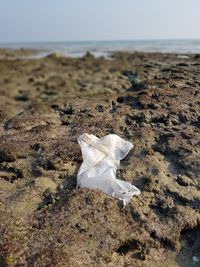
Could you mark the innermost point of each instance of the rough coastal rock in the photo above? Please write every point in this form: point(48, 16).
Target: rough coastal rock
point(151, 100)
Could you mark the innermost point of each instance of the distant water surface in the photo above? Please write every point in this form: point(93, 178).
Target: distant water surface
point(105, 48)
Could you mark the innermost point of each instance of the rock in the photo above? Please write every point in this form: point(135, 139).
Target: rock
point(150, 100)
point(55, 55)
point(185, 181)
point(88, 55)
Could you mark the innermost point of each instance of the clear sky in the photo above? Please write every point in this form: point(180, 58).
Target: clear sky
point(66, 20)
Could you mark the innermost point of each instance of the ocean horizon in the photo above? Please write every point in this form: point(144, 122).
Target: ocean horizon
point(105, 48)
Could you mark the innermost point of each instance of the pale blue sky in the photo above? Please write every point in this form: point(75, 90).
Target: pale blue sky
point(65, 20)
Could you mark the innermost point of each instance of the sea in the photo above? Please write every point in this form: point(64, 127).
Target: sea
point(105, 48)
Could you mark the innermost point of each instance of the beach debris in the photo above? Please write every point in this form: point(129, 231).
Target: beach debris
point(183, 57)
point(101, 158)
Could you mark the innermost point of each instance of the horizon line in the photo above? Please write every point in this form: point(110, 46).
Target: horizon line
point(102, 40)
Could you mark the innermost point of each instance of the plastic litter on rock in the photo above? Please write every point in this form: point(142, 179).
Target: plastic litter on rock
point(101, 158)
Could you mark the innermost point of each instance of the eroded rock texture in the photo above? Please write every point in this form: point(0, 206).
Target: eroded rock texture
point(151, 100)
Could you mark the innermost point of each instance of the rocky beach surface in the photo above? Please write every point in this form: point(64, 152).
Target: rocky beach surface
point(149, 99)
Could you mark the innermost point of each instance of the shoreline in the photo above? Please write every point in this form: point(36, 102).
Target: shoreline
point(34, 54)
point(106, 48)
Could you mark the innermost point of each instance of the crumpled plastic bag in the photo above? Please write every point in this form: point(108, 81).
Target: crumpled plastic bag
point(101, 157)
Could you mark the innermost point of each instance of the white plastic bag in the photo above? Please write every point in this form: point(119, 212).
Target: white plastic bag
point(101, 157)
